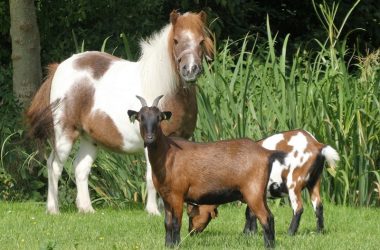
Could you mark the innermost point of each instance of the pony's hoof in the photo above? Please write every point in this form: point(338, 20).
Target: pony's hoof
point(87, 210)
point(153, 211)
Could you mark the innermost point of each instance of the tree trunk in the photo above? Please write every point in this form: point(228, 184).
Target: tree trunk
point(25, 50)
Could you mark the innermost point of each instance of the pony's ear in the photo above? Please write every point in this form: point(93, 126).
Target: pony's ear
point(174, 16)
point(133, 115)
point(166, 115)
point(203, 16)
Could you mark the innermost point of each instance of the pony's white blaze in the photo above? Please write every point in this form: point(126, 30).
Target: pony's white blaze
point(271, 142)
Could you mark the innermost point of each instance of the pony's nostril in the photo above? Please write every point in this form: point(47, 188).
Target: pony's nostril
point(194, 68)
point(185, 70)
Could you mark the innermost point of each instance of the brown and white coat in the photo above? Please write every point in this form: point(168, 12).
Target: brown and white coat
point(302, 169)
point(87, 97)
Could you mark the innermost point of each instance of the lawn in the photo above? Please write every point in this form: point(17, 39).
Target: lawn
point(26, 226)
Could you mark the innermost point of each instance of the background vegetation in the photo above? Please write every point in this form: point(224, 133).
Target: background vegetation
point(319, 74)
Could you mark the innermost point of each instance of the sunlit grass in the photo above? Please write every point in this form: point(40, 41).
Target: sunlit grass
point(26, 226)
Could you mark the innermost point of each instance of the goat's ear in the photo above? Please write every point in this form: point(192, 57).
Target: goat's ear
point(166, 115)
point(133, 115)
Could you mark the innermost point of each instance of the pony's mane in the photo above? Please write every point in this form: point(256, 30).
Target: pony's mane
point(157, 72)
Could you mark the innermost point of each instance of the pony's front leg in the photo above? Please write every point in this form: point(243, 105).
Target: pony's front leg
point(82, 165)
point(151, 204)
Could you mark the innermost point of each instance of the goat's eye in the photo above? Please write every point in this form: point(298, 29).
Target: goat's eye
point(175, 41)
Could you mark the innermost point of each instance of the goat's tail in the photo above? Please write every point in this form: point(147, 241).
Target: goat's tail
point(39, 116)
point(331, 155)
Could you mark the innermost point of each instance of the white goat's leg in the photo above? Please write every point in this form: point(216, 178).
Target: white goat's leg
point(151, 204)
point(82, 165)
point(55, 164)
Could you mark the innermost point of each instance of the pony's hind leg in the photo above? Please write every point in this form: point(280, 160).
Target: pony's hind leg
point(82, 165)
point(57, 159)
point(151, 205)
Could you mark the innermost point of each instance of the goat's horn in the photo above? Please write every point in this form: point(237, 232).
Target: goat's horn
point(155, 102)
point(142, 100)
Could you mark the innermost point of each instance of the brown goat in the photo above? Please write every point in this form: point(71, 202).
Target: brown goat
point(205, 173)
point(304, 165)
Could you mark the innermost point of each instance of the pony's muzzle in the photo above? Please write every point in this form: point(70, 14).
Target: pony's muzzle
point(190, 72)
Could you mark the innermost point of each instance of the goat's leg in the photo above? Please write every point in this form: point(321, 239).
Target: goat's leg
point(257, 203)
point(82, 165)
point(317, 204)
point(296, 202)
point(173, 221)
point(57, 159)
point(151, 204)
point(250, 222)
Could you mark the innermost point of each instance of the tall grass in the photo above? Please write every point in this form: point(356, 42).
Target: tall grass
point(259, 91)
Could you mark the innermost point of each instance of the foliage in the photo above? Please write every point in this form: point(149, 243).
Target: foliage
point(256, 93)
point(20, 170)
point(26, 226)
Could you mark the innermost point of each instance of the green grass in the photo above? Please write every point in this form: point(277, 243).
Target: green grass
point(26, 226)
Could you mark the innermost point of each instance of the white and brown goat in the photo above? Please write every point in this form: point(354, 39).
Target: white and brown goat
point(303, 168)
point(83, 98)
point(205, 173)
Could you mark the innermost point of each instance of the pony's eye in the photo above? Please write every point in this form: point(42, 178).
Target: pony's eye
point(175, 41)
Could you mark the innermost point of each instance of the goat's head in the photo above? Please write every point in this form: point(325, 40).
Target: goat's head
point(149, 119)
point(200, 216)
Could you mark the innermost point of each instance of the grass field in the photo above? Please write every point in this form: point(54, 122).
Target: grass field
point(26, 226)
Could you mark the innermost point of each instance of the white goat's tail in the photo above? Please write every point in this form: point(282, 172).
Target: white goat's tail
point(330, 155)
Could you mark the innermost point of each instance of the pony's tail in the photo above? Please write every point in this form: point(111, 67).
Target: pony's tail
point(39, 116)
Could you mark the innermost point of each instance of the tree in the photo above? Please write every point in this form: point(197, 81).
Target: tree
point(25, 39)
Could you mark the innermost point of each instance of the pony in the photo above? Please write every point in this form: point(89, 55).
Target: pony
point(85, 97)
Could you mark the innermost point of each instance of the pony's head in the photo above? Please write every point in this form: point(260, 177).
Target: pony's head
point(190, 42)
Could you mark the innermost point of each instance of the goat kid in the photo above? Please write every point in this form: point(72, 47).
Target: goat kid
point(304, 164)
point(205, 173)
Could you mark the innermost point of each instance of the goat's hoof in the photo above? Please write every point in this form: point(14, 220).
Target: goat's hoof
point(291, 233)
point(249, 232)
point(171, 244)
